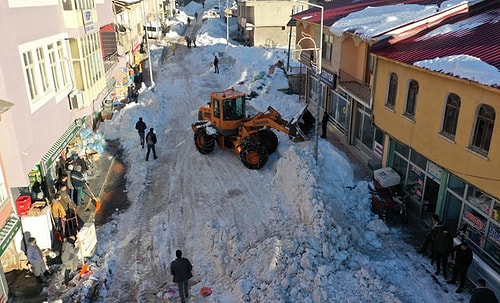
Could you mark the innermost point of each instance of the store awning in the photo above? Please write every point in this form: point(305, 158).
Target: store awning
point(7, 232)
point(5, 106)
point(51, 156)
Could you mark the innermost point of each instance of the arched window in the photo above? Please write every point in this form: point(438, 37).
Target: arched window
point(450, 119)
point(392, 91)
point(483, 129)
point(411, 99)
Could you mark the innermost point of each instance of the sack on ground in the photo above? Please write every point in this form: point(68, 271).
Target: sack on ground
point(171, 292)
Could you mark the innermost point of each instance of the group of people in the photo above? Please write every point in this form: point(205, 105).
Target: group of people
point(190, 41)
point(69, 259)
point(149, 139)
point(439, 241)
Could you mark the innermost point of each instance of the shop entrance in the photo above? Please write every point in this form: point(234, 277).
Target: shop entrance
point(430, 198)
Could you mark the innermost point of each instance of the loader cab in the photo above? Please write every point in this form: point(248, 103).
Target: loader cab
point(228, 110)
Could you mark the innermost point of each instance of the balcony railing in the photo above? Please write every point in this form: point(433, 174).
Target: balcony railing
point(355, 87)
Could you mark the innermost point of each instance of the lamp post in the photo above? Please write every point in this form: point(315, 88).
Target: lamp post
point(319, 56)
point(149, 53)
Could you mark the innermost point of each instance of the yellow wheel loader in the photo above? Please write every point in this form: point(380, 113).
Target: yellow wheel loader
point(224, 120)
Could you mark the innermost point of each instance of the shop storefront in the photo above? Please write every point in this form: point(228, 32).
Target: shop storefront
point(470, 213)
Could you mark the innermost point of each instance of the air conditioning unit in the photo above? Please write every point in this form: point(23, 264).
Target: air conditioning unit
point(75, 100)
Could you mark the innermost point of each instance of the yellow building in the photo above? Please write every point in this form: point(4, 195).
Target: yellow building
point(436, 96)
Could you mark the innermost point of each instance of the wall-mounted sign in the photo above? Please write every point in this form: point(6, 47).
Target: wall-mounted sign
point(88, 20)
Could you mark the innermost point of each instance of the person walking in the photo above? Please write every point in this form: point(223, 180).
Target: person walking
point(78, 181)
point(482, 294)
point(189, 21)
point(444, 245)
point(174, 48)
point(324, 124)
point(69, 258)
point(58, 212)
point(196, 16)
point(35, 258)
point(141, 129)
point(463, 259)
point(188, 41)
point(216, 65)
point(69, 184)
point(151, 141)
point(430, 236)
point(193, 40)
point(181, 269)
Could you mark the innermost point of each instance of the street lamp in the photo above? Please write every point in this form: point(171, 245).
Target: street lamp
point(318, 57)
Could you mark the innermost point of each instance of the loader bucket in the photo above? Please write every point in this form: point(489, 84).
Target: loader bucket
point(302, 125)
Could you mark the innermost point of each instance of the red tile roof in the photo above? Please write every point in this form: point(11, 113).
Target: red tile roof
point(337, 9)
point(478, 35)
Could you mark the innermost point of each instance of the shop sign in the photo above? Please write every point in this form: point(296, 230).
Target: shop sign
point(434, 171)
point(474, 221)
point(88, 20)
point(8, 232)
point(378, 148)
point(494, 235)
point(326, 77)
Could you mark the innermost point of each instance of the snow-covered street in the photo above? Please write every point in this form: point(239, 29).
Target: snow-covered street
point(293, 231)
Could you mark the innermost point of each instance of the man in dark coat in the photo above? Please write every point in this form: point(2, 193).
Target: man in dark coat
point(216, 65)
point(482, 294)
point(141, 129)
point(463, 259)
point(442, 249)
point(78, 181)
point(151, 141)
point(430, 237)
point(324, 124)
point(181, 269)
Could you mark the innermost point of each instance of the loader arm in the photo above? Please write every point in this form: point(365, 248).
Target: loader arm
point(271, 119)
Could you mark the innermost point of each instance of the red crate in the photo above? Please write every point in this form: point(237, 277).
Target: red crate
point(23, 204)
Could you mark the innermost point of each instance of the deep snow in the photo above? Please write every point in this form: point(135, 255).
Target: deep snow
point(293, 231)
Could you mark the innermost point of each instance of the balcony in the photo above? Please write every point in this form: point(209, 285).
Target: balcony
point(355, 87)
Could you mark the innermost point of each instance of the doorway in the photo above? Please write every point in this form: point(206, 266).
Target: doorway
point(430, 198)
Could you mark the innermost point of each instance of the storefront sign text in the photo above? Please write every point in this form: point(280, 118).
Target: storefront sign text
point(473, 220)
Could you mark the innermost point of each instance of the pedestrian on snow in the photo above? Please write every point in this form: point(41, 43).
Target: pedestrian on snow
point(141, 129)
point(78, 181)
point(134, 93)
point(444, 246)
point(181, 269)
point(216, 65)
point(463, 259)
point(188, 41)
point(151, 141)
point(203, 4)
point(324, 124)
point(482, 294)
point(69, 258)
point(174, 47)
point(196, 15)
point(58, 212)
point(189, 21)
point(36, 260)
point(430, 236)
point(193, 40)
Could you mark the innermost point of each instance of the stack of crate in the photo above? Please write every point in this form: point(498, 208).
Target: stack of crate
point(23, 205)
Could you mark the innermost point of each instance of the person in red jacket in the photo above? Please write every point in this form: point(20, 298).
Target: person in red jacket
point(181, 269)
point(463, 259)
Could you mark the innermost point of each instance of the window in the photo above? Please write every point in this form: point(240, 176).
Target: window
point(450, 119)
point(485, 122)
point(327, 47)
point(411, 99)
point(392, 91)
point(88, 63)
point(29, 68)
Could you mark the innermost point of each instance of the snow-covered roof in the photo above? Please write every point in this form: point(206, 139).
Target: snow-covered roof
point(465, 46)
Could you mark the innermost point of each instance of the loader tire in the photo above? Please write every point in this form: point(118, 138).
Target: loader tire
point(269, 139)
point(204, 143)
point(253, 154)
